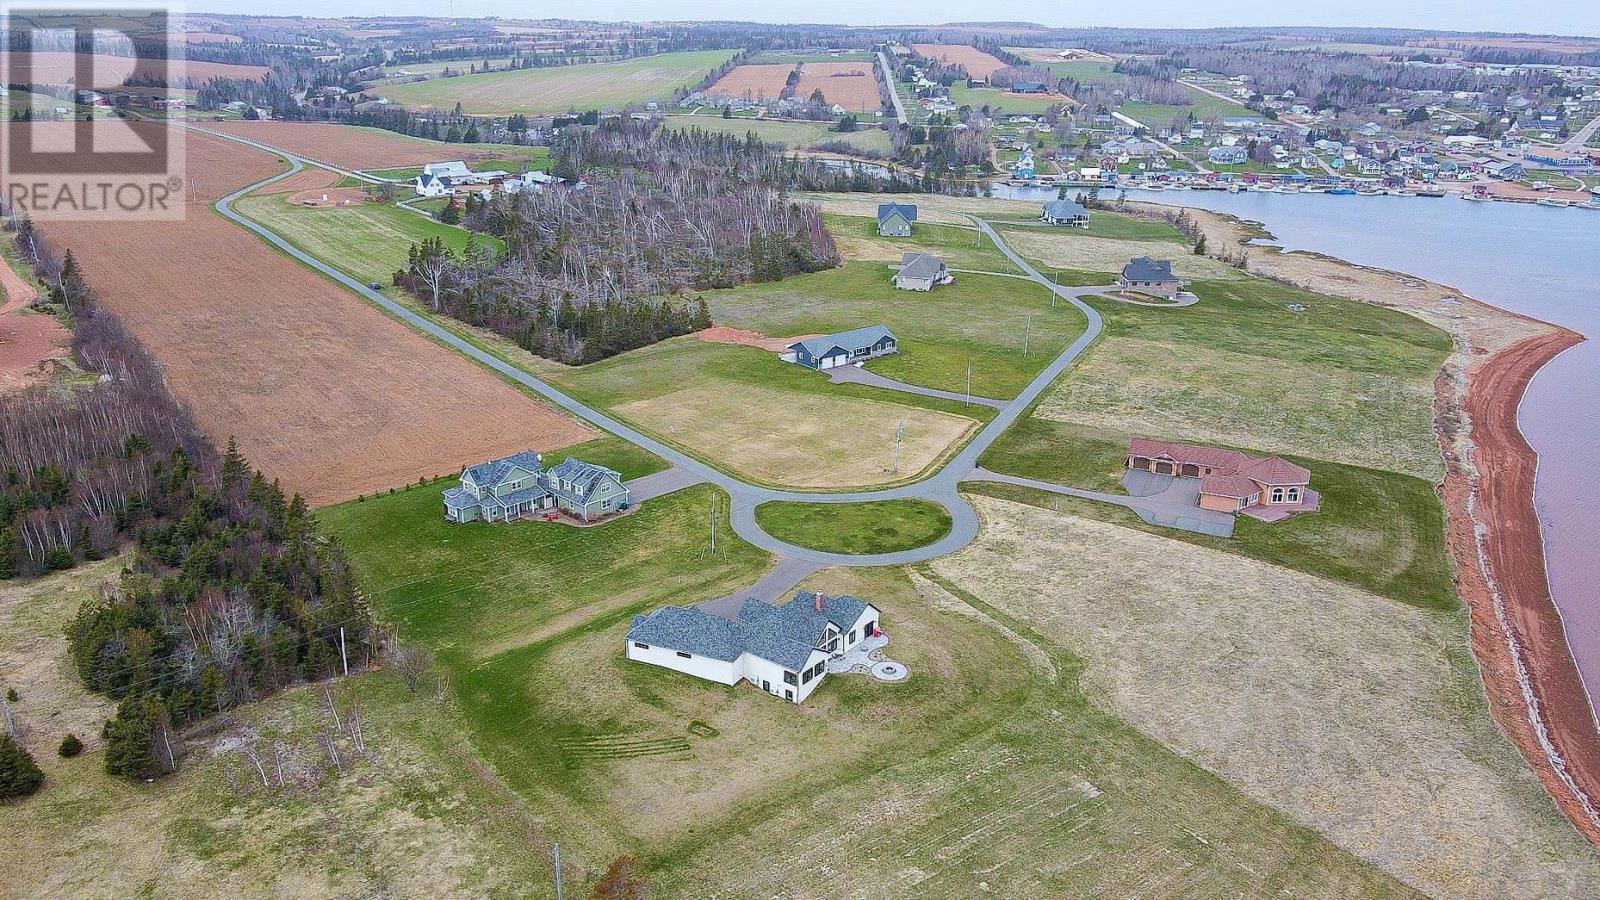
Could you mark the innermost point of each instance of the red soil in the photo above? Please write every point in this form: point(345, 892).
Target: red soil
point(1534, 689)
point(310, 178)
point(348, 147)
point(27, 342)
point(321, 389)
point(722, 334)
point(60, 67)
point(977, 63)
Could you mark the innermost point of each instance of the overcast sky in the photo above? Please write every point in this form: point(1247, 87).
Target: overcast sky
point(1570, 17)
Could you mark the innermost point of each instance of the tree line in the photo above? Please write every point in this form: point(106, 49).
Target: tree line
point(605, 263)
point(231, 592)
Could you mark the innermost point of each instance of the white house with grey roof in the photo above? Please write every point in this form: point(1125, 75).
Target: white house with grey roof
point(833, 350)
point(920, 272)
point(519, 486)
point(783, 650)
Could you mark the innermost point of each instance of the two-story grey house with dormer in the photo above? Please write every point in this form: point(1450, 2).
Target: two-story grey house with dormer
point(518, 486)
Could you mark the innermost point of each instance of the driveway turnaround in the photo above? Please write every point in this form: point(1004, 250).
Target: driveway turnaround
point(794, 563)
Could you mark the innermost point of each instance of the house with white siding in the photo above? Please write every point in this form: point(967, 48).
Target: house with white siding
point(782, 650)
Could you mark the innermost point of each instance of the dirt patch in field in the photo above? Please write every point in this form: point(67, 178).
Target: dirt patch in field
point(978, 64)
point(349, 147)
point(321, 389)
point(347, 196)
point(852, 85)
point(1358, 716)
point(30, 346)
point(722, 334)
point(1500, 574)
point(760, 81)
point(824, 441)
point(310, 178)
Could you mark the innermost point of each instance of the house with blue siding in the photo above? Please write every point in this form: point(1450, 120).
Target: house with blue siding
point(519, 486)
point(896, 219)
point(834, 350)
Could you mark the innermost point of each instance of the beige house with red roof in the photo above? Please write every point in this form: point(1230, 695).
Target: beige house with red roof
point(1270, 488)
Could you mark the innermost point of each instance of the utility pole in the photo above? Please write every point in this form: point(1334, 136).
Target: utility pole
point(969, 382)
point(713, 524)
point(1027, 332)
point(343, 658)
point(899, 434)
point(555, 851)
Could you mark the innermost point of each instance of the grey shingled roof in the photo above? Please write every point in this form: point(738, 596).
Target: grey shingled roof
point(920, 265)
point(785, 635)
point(909, 210)
point(1146, 269)
point(490, 473)
point(1064, 209)
point(849, 340)
point(583, 476)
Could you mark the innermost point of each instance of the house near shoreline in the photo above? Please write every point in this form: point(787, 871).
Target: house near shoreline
point(896, 219)
point(783, 650)
point(920, 272)
point(833, 350)
point(1150, 276)
point(1065, 212)
point(519, 486)
point(1270, 489)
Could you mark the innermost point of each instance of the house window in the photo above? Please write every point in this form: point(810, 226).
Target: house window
point(1277, 495)
point(852, 636)
point(686, 655)
point(641, 646)
point(789, 678)
point(788, 694)
point(807, 675)
point(1294, 495)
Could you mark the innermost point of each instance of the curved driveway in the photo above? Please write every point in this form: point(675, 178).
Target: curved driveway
point(940, 487)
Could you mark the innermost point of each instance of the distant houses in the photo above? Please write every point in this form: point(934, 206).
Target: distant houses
point(920, 272)
point(1027, 87)
point(519, 486)
point(1065, 212)
point(834, 350)
point(1150, 276)
point(1228, 155)
point(1270, 488)
point(783, 650)
point(896, 219)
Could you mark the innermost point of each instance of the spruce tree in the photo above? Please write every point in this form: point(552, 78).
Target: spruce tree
point(19, 774)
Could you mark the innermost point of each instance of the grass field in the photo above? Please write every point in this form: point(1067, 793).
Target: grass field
point(1342, 381)
point(999, 101)
point(368, 241)
point(981, 319)
point(557, 89)
point(515, 160)
point(881, 526)
point(989, 730)
point(792, 134)
point(774, 422)
point(1359, 717)
point(1097, 260)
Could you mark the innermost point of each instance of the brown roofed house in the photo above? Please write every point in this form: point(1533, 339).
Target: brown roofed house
point(1270, 489)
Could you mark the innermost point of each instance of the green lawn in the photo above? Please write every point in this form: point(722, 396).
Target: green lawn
point(368, 241)
point(790, 133)
point(528, 623)
point(560, 88)
point(1110, 225)
point(881, 526)
point(960, 246)
point(981, 320)
point(1380, 531)
point(1002, 102)
point(536, 160)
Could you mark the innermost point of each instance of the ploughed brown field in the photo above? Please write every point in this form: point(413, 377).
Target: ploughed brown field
point(852, 85)
point(349, 147)
point(321, 389)
point(977, 63)
point(60, 67)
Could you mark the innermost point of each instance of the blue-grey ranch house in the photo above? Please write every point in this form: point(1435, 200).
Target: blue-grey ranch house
point(834, 350)
point(518, 486)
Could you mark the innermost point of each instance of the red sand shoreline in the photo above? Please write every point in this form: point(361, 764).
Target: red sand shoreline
point(1535, 691)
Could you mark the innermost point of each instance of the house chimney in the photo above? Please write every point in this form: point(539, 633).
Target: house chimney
point(818, 603)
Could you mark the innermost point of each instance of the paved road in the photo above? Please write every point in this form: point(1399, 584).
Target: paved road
point(940, 487)
point(856, 375)
point(894, 93)
point(1579, 138)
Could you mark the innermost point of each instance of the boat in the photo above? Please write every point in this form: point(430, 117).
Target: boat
point(1402, 193)
point(1342, 191)
point(1551, 201)
point(1430, 193)
point(1233, 189)
point(1317, 189)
